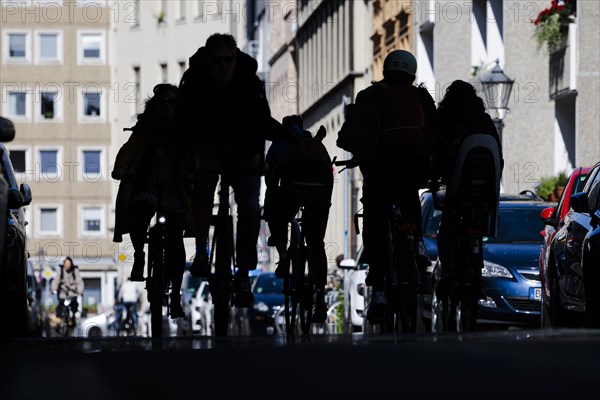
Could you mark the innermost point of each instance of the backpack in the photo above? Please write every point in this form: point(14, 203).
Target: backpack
point(306, 160)
point(400, 122)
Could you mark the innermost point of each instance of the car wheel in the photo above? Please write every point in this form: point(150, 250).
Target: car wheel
point(558, 315)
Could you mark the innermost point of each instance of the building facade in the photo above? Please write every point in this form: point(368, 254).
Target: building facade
point(56, 86)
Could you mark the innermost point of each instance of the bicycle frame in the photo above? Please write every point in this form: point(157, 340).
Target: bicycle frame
point(401, 276)
point(158, 287)
point(223, 254)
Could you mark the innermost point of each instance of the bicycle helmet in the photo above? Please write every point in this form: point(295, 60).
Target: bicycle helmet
point(400, 60)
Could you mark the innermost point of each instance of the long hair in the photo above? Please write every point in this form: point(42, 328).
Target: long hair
point(461, 97)
point(153, 103)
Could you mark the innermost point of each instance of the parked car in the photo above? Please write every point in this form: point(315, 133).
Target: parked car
point(268, 299)
point(356, 291)
point(511, 280)
point(573, 260)
point(14, 265)
point(201, 311)
point(98, 325)
point(553, 217)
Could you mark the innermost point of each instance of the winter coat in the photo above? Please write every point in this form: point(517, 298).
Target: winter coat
point(67, 284)
point(226, 126)
point(134, 161)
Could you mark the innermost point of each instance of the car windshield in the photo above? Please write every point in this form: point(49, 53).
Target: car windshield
point(268, 285)
point(518, 225)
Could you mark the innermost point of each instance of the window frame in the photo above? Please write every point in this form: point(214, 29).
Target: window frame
point(58, 106)
point(6, 47)
point(49, 177)
point(7, 113)
point(22, 176)
point(59, 219)
point(81, 60)
point(92, 178)
point(81, 220)
point(59, 60)
point(82, 118)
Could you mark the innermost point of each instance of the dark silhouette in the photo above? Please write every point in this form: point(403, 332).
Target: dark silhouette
point(389, 132)
point(225, 116)
point(299, 174)
point(151, 167)
point(461, 113)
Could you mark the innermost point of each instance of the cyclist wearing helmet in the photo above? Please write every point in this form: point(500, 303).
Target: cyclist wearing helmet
point(389, 132)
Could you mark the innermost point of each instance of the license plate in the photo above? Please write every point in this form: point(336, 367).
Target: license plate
point(535, 293)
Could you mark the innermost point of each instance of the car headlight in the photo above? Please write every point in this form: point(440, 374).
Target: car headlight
point(491, 270)
point(261, 307)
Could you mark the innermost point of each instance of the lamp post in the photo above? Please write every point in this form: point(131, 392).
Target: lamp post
point(496, 90)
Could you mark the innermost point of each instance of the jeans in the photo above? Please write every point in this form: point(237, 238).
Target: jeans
point(246, 190)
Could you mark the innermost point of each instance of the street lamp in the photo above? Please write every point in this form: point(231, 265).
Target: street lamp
point(496, 90)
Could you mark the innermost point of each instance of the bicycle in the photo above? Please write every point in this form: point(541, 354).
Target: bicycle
point(127, 326)
point(158, 281)
point(299, 286)
point(227, 319)
point(67, 316)
point(401, 274)
point(474, 193)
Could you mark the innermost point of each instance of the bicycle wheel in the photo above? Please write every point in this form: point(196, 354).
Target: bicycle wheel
point(156, 265)
point(472, 286)
point(407, 285)
point(220, 286)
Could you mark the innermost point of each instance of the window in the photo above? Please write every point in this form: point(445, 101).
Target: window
point(49, 162)
point(91, 104)
point(181, 67)
point(91, 47)
point(91, 162)
point(17, 45)
point(48, 47)
point(91, 220)
point(48, 107)
point(18, 160)
point(17, 104)
point(48, 217)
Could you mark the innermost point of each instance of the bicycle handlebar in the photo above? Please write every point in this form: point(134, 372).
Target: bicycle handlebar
point(351, 163)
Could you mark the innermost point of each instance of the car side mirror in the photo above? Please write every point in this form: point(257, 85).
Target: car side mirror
point(7, 130)
point(348, 263)
point(579, 202)
point(548, 216)
point(25, 190)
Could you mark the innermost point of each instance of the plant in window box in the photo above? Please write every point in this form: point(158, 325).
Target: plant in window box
point(551, 24)
point(546, 187)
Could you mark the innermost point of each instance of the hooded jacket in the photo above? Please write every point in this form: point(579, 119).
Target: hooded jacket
point(225, 125)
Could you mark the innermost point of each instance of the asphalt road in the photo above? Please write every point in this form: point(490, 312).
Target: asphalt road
point(524, 364)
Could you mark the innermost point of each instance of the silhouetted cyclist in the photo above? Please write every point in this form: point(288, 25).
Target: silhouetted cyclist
point(300, 174)
point(388, 132)
point(225, 115)
point(151, 167)
point(461, 113)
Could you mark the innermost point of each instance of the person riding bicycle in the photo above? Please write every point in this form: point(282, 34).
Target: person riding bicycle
point(461, 113)
point(128, 297)
point(150, 166)
point(299, 174)
point(224, 113)
point(389, 132)
point(67, 285)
